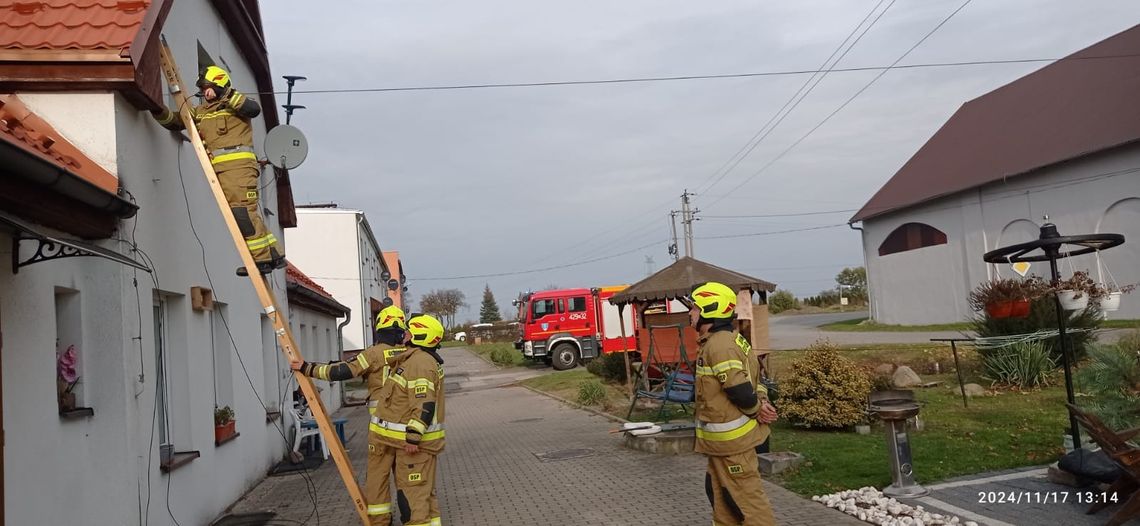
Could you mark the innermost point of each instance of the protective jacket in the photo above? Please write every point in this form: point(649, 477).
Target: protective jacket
point(411, 402)
point(727, 396)
point(372, 363)
point(224, 124)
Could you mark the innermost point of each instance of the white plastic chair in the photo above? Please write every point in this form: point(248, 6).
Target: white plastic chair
point(305, 426)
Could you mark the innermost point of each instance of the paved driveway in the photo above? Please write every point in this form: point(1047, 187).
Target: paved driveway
point(491, 472)
point(797, 331)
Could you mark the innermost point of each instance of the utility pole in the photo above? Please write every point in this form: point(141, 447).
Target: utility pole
point(687, 218)
point(674, 249)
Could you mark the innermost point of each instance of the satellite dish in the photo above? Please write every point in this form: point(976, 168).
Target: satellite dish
point(393, 284)
point(286, 147)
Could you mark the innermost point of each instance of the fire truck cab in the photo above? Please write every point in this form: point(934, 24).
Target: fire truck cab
point(568, 326)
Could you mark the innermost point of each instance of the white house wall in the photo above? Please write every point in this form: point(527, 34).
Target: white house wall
point(333, 247)
point(98, 465)
point(316, 334)
point(930, 285)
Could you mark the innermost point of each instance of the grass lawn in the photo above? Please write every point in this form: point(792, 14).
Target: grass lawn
point(501, 354)
point(1120, 324)
point(863, 325)
point(1006, 430)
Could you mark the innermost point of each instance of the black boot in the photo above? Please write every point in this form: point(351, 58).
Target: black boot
point(264, 267)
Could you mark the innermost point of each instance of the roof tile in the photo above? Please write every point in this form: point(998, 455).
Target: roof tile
point(21, 127)
point(70, 25)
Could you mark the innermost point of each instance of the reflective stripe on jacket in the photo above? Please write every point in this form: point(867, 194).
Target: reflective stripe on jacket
point(412, 402)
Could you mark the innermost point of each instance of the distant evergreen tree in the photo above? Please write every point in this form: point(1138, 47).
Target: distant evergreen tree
point(489, 311)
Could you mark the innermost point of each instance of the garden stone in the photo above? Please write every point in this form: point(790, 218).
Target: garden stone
point(973, 390)
point(885, 369)
point(905, 377)
point(772, 463)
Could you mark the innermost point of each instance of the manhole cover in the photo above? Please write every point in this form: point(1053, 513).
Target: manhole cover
point(564, 454)
point(525, 420)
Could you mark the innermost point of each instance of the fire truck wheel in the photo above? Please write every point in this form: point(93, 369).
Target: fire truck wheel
point(565, 356)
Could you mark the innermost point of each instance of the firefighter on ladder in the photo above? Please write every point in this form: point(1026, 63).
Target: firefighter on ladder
point(406, 406)
point(223, 121)
point(732, 416)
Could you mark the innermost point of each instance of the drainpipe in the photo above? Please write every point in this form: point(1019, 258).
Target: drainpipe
point(871, 304)
point(340, 349)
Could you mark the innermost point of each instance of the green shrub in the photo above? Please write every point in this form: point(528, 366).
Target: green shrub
point(506, 356)
point(609, 367)
point(1112, 377)
point(1025, 364)
point(781, 301)
point(824, 389)
point(591, 392)
point(1043, 316)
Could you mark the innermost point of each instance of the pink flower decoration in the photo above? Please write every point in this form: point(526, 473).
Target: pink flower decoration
point(65, 365)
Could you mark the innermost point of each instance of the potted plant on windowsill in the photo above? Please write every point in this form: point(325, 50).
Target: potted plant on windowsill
point(224, 424)
point(67, 377)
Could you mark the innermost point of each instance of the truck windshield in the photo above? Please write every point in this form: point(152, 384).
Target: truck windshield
point(540, 308)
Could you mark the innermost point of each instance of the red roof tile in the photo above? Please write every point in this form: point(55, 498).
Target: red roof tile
point(70, 25)
point(294, 275)
point(1074, 107)
point(21, 127)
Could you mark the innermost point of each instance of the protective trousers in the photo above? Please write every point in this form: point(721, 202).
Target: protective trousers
point(415, 486)
point(242, 193)
point(738, 498)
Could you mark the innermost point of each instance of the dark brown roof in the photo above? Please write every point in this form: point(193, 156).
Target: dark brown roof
point(1076, 106)
point(677, 280)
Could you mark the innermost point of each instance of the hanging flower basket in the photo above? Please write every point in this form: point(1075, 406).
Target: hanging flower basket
point(1000, 310)
point(1111, 302)
point(1073, 299)
point(1019, 309)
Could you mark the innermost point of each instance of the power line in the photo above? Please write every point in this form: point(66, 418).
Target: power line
point(631, 80)
point(796, 214)
point(544, 269)
point(757, 234)
point(772, 123)
point(848, 101)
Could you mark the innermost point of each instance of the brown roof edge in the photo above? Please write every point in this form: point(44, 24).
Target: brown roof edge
point(866, 212)
point(144, 53)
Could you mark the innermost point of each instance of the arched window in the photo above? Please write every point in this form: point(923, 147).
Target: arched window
point(911, 236)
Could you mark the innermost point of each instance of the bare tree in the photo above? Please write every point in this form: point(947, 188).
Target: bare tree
point(443, 304)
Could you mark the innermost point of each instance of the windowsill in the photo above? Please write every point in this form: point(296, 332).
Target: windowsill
point(272, 416)
point(180, 458)
point(77, 413)
point(226, 440)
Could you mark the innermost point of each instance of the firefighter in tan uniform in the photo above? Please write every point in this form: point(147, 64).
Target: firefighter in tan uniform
point(223, 121)
point(731, 418)
point(408, 425)
point(374, 364)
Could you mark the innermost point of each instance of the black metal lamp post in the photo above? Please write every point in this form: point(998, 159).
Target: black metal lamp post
point(1054, 246)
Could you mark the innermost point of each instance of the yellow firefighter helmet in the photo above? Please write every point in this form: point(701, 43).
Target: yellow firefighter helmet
point(391, 316)
point(715, 300)
point(426, 331)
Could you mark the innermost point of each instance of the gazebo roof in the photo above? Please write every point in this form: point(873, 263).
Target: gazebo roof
point(677, 281)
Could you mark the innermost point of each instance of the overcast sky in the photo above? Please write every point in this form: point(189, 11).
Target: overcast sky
point(487, 181)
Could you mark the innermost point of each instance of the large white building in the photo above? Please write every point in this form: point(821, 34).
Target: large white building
point(339, 251)
point(1063, 141)
point(81, 158)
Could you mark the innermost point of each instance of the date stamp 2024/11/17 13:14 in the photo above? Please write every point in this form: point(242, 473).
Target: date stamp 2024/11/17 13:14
point(1047, 497)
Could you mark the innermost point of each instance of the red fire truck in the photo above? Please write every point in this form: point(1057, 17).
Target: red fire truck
point(568, 326)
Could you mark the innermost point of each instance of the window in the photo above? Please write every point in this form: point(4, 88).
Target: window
point(540, 308)
point(911, 236)
point(561, 306)
point(69, 376)
point(577, 304)
point(223, 358)
point(162, 408)
point(172, 376)
point(273, 371)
